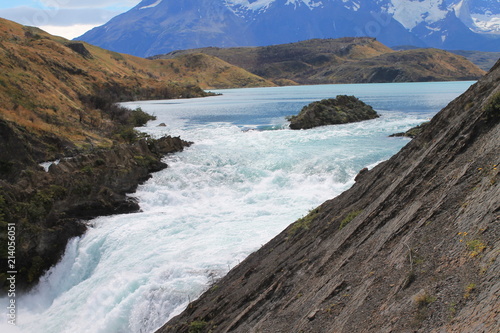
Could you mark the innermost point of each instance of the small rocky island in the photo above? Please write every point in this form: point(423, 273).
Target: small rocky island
point(340, 110)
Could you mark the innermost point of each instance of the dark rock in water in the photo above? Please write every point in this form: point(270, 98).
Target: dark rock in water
point(340, 110)
point(412, 132)
point(162, 125)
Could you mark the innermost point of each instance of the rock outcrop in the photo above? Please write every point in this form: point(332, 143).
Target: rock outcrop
point(412, 132)
point(413, 246)
point(340, 110)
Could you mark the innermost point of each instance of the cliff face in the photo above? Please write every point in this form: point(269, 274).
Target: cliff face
point(413, 246)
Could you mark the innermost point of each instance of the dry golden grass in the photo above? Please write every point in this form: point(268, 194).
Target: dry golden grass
point(42, 80)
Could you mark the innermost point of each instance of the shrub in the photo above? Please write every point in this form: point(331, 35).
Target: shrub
point(128, 134)
point(423, 299)
point(197, 326)
point(469, 289)
point(139, 118)
point(475, 247)
point(492, 109)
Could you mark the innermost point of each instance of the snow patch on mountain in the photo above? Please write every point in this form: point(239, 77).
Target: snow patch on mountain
point(152, 5)
point(410, 13)
point(309, 3)
point(262, 5)
point(487, 22)
point(477, 17)
point(249, 4)
point(352, 5)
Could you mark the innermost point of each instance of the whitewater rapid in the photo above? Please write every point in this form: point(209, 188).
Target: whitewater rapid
point(246, 178)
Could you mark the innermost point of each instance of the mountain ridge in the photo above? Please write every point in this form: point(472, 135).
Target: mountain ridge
point(342, 60)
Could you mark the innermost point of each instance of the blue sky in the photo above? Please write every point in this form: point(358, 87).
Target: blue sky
point(67, 18)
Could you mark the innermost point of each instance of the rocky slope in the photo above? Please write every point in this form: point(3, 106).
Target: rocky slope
point(413, 246)
point(343, 60)
point(340, 110)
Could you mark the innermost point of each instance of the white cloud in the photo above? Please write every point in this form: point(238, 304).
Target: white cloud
point(69, 32)
point(57, 17)
point(89, 3)
point(67, 18)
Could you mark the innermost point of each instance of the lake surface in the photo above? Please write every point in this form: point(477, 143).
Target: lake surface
point(246, 178)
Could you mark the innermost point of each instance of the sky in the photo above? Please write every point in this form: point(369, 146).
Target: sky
point(66, 18)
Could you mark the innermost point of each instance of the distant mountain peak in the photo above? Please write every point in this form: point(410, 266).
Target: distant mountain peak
point(160, 26)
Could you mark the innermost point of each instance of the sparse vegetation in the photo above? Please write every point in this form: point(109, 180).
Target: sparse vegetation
point(453, 309)
point(197, 326)
point(475, 247)
point(469, 289)
point(492, 108)
point(423, 299)
point(303, 222)
point(351, 216)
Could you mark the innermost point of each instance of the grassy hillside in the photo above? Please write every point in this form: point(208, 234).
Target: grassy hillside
point(61, 92)
point(343, 60)
point(484, 60)
point(206, 71)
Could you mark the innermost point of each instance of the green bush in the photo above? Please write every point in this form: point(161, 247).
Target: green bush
point(139, 118)
point(128, 134)
point(197, 326)
point(492, 109)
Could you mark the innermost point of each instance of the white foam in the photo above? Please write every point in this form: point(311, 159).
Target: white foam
point(46, 165)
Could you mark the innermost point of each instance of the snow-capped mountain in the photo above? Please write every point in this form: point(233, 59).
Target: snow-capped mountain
point(161, 26)
point(478, 15)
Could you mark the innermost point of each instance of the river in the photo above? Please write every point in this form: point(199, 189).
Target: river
point(245, 179)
